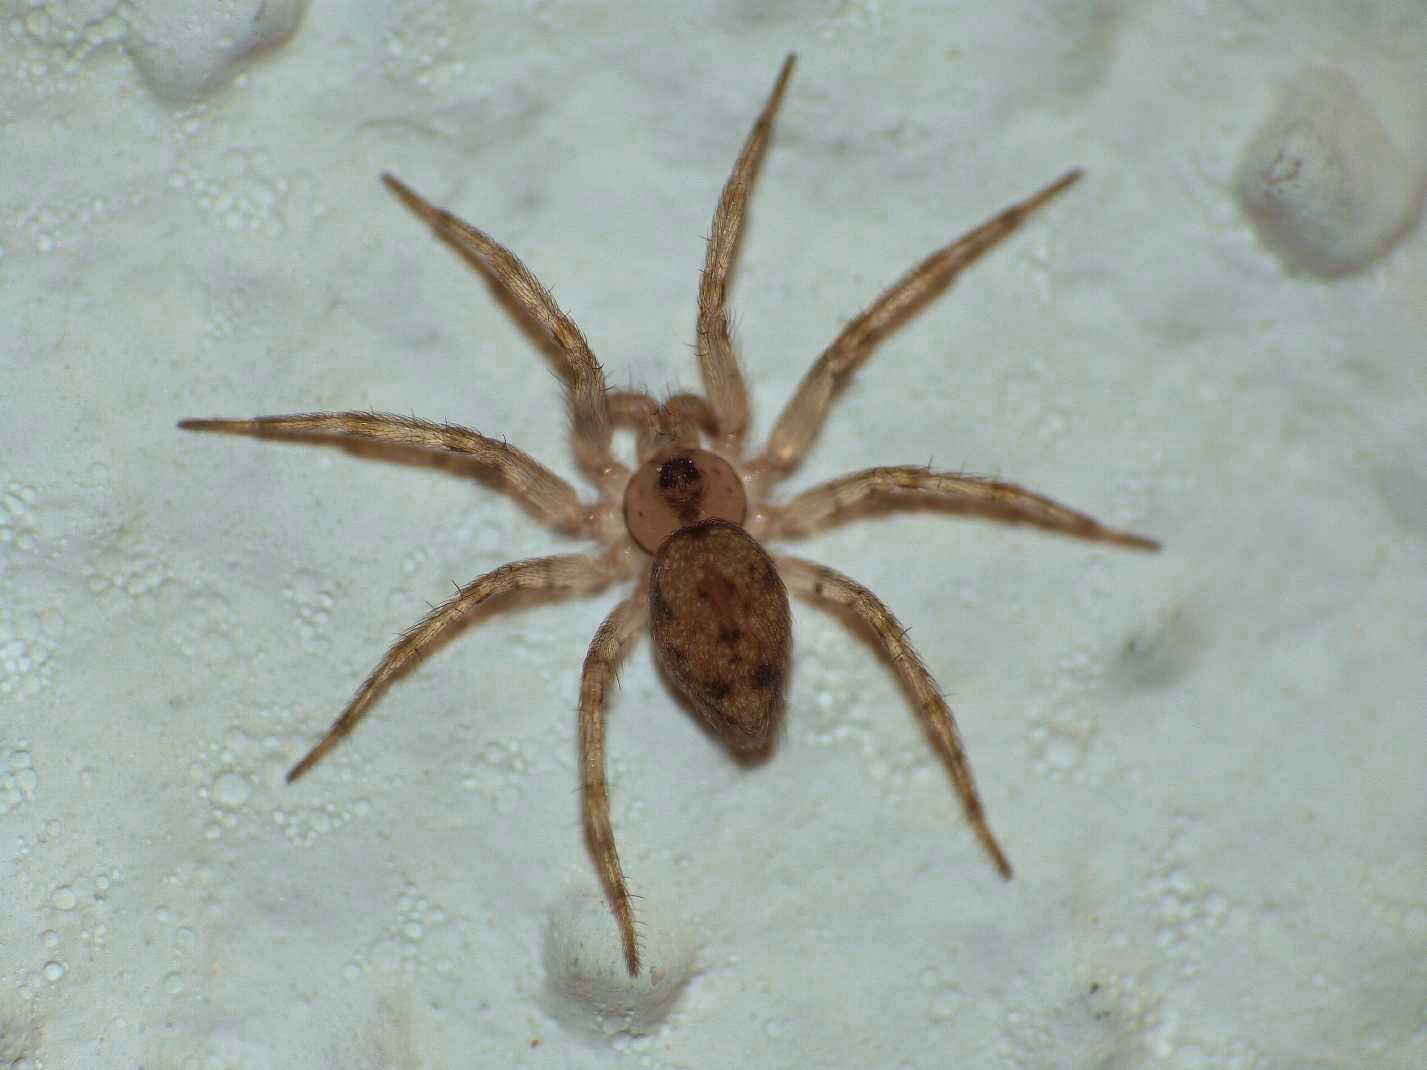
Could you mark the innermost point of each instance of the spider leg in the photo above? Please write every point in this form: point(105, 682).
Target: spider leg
point(565, 574)
point(908, 487)
point(582, 372)
point(528, 480)
point(601, 667)
point(820, 584)
point(802, 418)
point(718, 364)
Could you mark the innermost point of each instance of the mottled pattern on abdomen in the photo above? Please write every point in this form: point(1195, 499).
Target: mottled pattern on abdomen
point(722, 630)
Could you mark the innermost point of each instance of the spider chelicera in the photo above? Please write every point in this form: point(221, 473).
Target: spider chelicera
point(687, 523)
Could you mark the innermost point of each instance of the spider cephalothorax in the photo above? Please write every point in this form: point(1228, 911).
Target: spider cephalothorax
point(695, 510)
point(679, 486)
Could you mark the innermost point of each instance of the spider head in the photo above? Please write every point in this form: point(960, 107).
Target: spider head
point(677, 488)
point(722, 630)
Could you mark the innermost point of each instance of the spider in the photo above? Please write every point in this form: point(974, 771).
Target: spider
point(688, 522)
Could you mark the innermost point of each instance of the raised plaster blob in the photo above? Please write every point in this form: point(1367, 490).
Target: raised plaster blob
point(588, 983)
point(186, 49)
point(1324, 186)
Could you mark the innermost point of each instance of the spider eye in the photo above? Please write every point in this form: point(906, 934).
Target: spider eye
point(679, 478)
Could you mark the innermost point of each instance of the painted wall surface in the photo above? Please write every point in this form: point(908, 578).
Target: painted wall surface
point(1207, 764)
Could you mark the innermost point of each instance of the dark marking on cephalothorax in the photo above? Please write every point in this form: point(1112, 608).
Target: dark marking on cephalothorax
point(681, 484)
point(678, 477)
point(730, 635)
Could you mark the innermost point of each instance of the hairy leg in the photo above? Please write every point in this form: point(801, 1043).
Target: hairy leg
point(817, 583)
point(528, 480)
point(601, 669)
point(906, 486)
point(566, 574)
point(802, 418)
point(582, 373)
point(718, 364)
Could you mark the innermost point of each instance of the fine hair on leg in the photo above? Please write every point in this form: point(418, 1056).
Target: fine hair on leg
point(909, 487)
point(566, 574)
point(718, 363)
point(820, 584)
point(582, 373)
point(802, 418)
point(527, 480)
point(610, 644)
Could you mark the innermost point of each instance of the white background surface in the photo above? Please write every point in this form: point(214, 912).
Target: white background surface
point(1207, 765)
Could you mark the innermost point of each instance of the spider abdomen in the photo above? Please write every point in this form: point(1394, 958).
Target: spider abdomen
point(722, 629)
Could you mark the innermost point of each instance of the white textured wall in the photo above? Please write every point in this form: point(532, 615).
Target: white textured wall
point(1208, 765)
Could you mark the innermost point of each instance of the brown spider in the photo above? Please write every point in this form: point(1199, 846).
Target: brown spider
point(688, 521)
